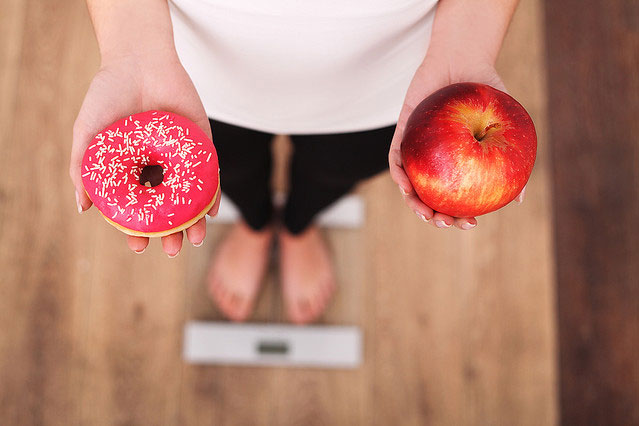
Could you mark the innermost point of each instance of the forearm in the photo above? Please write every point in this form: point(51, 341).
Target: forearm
point(132, 27)
point(468, 31)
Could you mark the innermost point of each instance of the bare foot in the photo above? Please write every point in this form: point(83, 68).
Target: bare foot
point(308, 280)
point(237, 270)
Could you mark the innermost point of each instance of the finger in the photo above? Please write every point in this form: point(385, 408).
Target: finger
point(204, 124)
point(81, 139)
point(424, 212)
point(397, 171)
point(171, 244)
point(137, 244)
point(441, 220)
point(196, 233)
point(520, 197)
point(196, 112)
point(465, 223)
point(216, 205)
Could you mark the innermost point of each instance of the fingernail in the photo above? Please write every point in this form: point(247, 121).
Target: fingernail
point(402, 191)
point(520, 198)
point(422, 217)
point(468, 225)
point(198, 244)
point(441, 224)
point(139, 251)
point(77, 202)
point(173, 256)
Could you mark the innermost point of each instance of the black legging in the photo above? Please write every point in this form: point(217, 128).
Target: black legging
point(323, 168)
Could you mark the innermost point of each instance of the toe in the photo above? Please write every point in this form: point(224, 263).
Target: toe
point(313, 308)
point(327, 289)
point(317, 308)
point(241, 308)
point(214, 290)
point(224, 302)
point(233, 305)
point(298, 312)
point(219, 293)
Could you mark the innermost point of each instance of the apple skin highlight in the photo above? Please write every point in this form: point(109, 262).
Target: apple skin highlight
point(468, 149)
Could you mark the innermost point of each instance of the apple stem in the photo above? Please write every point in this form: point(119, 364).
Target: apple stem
point(482, 134)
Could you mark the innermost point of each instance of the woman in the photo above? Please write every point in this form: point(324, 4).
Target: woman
point(335, 75)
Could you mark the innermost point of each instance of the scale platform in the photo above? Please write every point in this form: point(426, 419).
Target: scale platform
point(347, 212)
point(224, 343)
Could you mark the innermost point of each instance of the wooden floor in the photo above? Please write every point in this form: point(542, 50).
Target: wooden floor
point(459, 326)
point(593, 56)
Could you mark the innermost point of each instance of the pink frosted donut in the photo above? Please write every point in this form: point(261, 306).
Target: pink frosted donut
point(151, 174)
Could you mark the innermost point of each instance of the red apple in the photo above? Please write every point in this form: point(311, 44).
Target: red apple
point(468, 149)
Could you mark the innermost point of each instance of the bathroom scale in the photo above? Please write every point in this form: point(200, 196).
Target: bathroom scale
point(314, 346)
point(319, 346)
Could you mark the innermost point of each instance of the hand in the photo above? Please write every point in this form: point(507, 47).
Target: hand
point(432, 75)
point(127, 85)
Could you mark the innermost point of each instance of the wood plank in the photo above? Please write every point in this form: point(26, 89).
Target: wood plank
point(134, 333)
point(12, 22)
point(593, 55)
point(40, 301)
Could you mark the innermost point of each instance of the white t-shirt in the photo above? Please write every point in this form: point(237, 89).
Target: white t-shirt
point(302, 66)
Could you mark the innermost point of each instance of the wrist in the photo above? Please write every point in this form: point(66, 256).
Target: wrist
point(141, 55)
point(460, 56)
point(455, 66)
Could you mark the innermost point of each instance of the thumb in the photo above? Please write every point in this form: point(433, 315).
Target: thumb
point(205, 125)
point(81, 139)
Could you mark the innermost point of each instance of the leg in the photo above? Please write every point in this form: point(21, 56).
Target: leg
point(240, 260)
point(323, 168)
point(245, 170)
point(326, 167)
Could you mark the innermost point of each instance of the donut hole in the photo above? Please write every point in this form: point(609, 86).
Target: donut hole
point(152, 175)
